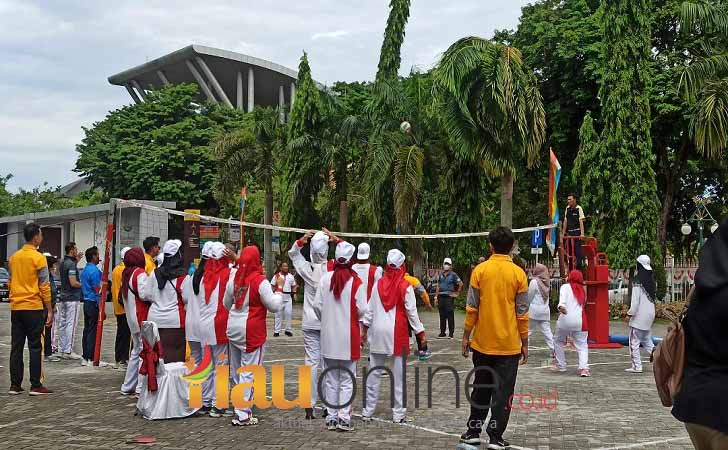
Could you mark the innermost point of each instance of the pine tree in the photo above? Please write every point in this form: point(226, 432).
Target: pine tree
point(617, 175)
point(390, 56)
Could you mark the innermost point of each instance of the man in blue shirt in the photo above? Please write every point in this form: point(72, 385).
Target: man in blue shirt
point(91, 288)
point(448, 289)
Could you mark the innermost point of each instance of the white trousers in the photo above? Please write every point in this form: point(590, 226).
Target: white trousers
point(580, 343)
point(67, 321)
point(209, 393)
point(312, 347)
point(240, 358)
point(545, 327)
point(637, 338)
point(339, 387)
point(285, 314)
point(131, 379)
point(372, 385)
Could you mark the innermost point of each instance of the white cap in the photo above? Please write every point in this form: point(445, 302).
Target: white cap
point(395, 258)
point(447, 261)
point(363, 251)
point(344, 252)
point(123, 251)
point(207, 249)
point(645, 262)
point(320, 243)
point(217, 250)
point(171, 247)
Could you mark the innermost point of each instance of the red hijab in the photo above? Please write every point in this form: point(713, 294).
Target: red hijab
point(249, 269)
point(392, 287)
point(214, 269)
point(342, 273)
point(576, 281)
point(133, 259)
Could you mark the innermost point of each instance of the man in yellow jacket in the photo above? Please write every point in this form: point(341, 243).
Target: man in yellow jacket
point(123, 334)
point(30, 294)
point(151, 251)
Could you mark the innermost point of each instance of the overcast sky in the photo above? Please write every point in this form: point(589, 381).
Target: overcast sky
point(56, 55)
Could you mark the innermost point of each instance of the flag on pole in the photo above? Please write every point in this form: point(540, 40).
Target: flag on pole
point(554, 178)
point(243, 200)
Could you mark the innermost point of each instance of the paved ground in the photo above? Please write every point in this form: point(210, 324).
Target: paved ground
point(611, 410)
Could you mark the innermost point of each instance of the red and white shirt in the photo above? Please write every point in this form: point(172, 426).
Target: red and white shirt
point(287, 284)
point(206, 321)
point(311, 274)
point(340, 332)
point(167, 308)
point(136, 308)
point(368, 274)
point(246, 326)
point(389, 330)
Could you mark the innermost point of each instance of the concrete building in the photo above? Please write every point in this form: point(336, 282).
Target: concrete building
point(226, 77)
point(86, 226)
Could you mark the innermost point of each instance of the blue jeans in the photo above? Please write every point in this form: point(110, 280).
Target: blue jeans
point(90, 318)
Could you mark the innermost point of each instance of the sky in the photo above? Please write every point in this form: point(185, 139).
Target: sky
point(56, 56)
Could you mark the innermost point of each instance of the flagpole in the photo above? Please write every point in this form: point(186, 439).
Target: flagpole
point(243, 198)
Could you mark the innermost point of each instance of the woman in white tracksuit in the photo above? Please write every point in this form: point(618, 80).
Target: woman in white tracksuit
point(392, 310)
point(311, 273)
point(572, 323)
point(248, 297)
point(539, 312)
point(641, 313)
point(340, 305)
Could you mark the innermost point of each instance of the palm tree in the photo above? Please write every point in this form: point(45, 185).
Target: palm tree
point(248, 153)
point(491, 109)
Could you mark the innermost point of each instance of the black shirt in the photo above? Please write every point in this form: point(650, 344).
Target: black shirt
point(573, 218)
point(68, 269)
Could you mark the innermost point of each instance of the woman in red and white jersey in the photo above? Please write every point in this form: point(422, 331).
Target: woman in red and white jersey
point(133, 279)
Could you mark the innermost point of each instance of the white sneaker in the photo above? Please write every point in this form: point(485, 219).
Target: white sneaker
point(52, 358)
point(85, 362)
point(74, 356)
point(633, 370)
point(115, 365)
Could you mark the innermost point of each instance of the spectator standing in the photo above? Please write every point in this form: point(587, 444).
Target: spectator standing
point(48, 340)
point(574, 226)
point(91, 288)
point(152, 248)
point(123, 333)
point(68, 303)
point(448, 289)
point(30, 294)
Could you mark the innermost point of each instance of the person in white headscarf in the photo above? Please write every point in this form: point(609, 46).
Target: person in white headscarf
point(641, 313)
point(167, 309)
point(340, 305)
point(368, 273)
point(311, 273)
point(392, 311)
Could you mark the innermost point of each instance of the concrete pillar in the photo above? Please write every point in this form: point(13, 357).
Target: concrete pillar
point(281, 104)
point(211, 77)
point(133, 94)
point(251, 89)
point(139, 89)
point(293, 93)
point(239, 102)
point(200, 81)
point(163, 78)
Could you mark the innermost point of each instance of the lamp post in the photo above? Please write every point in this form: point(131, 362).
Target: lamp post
point(700, 217)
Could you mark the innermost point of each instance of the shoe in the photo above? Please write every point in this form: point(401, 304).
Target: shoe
point(555, 368)
point(52, 358)
point(584, 373)
point(331, 424)
point(366, 419)
point(289, 334)
point(344, 425)
point(499, 444)
point(204, 411)
point(470, 437)
point(441, 336)
point(633, 370)
point(15, 390)
point(216, 412)
point(400, 421)
point(245, 423)
point(228, 413)
point(127, 394)
point(71, 355)
point(451, 337)
point(309, 414)
point(276, 334)
point(123, 365)
point(425, 355)
point(115, 365)
point(41, 390)
point(85, 362)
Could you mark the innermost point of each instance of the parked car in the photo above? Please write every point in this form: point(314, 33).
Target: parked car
point(4, 290)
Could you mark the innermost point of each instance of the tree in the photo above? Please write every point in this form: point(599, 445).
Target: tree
point(390, 57)
point(41, 198)
point(305, 177)
point(618, 175)
point(250, 154)
point(158, 149)
point(491, 110)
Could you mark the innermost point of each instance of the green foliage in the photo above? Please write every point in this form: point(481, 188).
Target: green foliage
point(390, 57)
point(41, 198)
point(617, 175)
point(158, 149)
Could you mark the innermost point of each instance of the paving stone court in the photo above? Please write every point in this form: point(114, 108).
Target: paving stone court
point(609, 411)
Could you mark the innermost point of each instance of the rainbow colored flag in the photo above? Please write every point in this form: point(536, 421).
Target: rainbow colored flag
point(243, 199)
point(554, 178)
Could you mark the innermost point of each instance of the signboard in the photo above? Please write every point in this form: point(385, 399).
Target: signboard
point(209, 233)
point(234, 233)
point(191, 243)
point(537, 251)
point(537, 238)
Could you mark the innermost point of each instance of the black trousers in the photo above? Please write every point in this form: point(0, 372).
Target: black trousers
point(47, 345)
point(578, 262)
point(90, 318)
point(447, 320)
point(123, 338)
point(25, 325)
point(498, 374)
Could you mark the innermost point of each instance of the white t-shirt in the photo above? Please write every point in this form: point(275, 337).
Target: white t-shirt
point(283, 284)
point(538, 309)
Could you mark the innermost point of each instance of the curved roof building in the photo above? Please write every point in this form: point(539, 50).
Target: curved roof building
point(230, 78)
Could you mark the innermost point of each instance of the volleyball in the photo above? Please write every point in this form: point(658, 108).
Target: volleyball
point(405, 127)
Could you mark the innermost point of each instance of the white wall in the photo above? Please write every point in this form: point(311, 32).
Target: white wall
point(89, 232)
